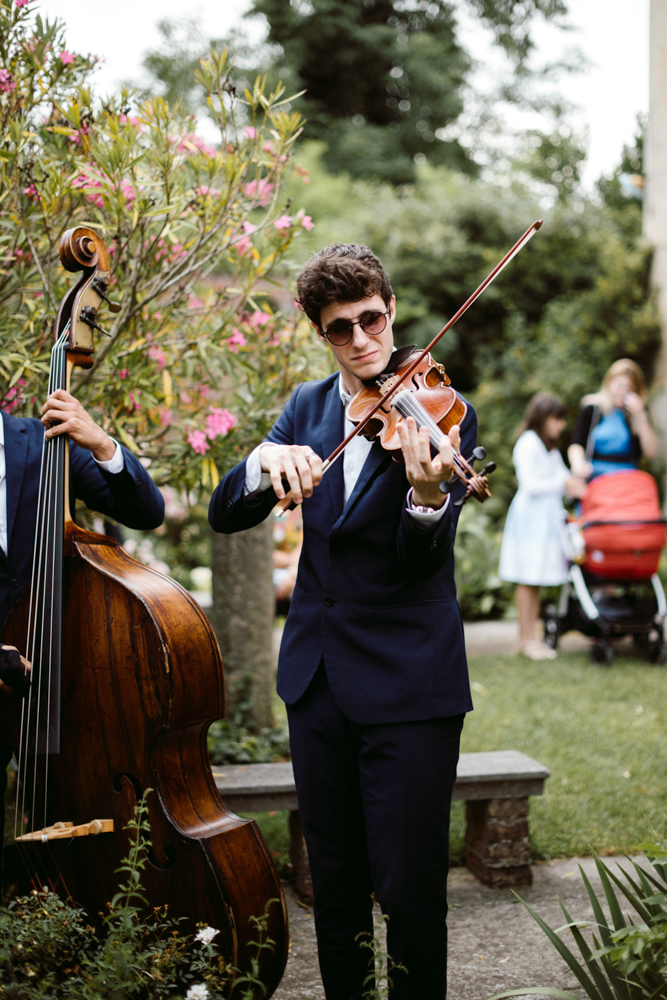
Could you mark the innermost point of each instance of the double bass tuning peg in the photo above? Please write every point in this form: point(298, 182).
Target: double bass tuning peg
point(100, 286)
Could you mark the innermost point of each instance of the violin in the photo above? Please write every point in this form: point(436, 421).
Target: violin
point(476, 485)
point(429, 398)
point(126, 679)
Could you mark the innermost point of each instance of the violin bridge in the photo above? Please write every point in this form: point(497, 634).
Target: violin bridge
point(65, 830)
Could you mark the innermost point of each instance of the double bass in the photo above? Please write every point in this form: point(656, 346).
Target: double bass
point(126, 678)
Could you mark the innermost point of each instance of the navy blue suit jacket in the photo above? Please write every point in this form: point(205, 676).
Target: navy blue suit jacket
point(375, 594)
point(130, 497)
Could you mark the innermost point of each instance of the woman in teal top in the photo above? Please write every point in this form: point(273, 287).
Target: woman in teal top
point(613, 430)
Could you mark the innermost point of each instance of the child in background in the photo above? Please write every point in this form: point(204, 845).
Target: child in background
point(531, 552)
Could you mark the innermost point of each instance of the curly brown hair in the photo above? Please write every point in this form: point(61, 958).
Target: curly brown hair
point(341, 272)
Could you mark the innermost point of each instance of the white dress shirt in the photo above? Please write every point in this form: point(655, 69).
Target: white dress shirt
point(354, 457)
point(114, 465)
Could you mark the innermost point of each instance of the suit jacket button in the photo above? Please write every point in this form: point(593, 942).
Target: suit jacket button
point(329, 601)
point(14, 582)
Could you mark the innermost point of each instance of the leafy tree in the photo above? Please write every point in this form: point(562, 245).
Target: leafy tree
point(192, 228)
point(575, 299)
point(384, 80)
point(195, 230)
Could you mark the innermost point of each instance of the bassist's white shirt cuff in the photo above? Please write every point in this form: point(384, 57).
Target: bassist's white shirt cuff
point(116, 463)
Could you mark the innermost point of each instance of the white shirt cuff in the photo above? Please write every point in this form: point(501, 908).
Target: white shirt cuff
point(116, 463)
point(432, 517)
point(255, 479)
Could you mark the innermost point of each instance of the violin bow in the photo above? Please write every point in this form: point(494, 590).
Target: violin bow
point(287, 503)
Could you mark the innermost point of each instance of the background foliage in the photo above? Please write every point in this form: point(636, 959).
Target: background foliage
point(194, 229)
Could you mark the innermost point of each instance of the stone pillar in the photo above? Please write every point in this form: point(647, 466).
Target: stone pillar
point(655, 197)
point(498, 841)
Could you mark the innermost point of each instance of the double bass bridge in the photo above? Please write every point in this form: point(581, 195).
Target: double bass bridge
point(66, 830)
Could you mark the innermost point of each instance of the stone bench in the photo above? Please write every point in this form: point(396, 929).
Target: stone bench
point(496, 786)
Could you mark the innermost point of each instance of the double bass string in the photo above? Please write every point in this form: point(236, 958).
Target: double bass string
point(39, 616)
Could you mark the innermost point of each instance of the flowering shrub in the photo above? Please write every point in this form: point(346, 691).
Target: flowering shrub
point(194, 229)
point(49, 951)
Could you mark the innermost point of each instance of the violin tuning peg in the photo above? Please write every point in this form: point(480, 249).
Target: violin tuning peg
point(488, 468)
point(479, 454)
point(445, 487)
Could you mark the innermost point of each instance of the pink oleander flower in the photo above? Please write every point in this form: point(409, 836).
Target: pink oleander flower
point(236, 340)
point(219, 423)
point(195, 303)
point(67, 58)
point(158, 356)
point(127, 191)
point(194, 144)
point(123, 373)
point(250, 131)
point(7, 82)
point(259, 318)
point(22, 3)
point(269, 148)
point(260, 189)
point(205, 190)
point(15, 396)
point(197, 441)
point(31, 192)
point(249, 228)
point(303, 173)
point(307, 222)
point(284, 222)
point(243, 245)
point(166, 418)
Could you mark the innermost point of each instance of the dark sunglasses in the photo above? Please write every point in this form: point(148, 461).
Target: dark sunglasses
point(341, 331)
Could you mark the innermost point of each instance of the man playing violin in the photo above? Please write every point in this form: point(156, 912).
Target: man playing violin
point(105, 476)
point(372, 664)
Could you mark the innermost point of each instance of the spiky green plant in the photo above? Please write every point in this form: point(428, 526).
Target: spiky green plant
point(629, 958)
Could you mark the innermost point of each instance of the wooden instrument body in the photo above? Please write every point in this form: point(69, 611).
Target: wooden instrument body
point(430, 387)
point(142, 680)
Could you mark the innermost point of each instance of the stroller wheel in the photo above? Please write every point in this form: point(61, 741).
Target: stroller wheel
point(602, 653)
point(656, 652)
point(551, 633)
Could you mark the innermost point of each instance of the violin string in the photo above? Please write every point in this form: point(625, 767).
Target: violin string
point(410, 406)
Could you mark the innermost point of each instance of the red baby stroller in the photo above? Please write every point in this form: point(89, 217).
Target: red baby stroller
point(613, 588)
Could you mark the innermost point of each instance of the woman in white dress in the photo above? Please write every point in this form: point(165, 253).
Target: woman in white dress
point(531, 553)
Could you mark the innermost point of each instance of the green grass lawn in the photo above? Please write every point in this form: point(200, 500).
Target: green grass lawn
point(601, 731)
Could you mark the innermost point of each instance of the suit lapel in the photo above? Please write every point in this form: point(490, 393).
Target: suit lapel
point(16, 453)
point(333, 424)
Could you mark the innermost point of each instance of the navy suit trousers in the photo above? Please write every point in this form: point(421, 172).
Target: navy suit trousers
point(374, 801)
